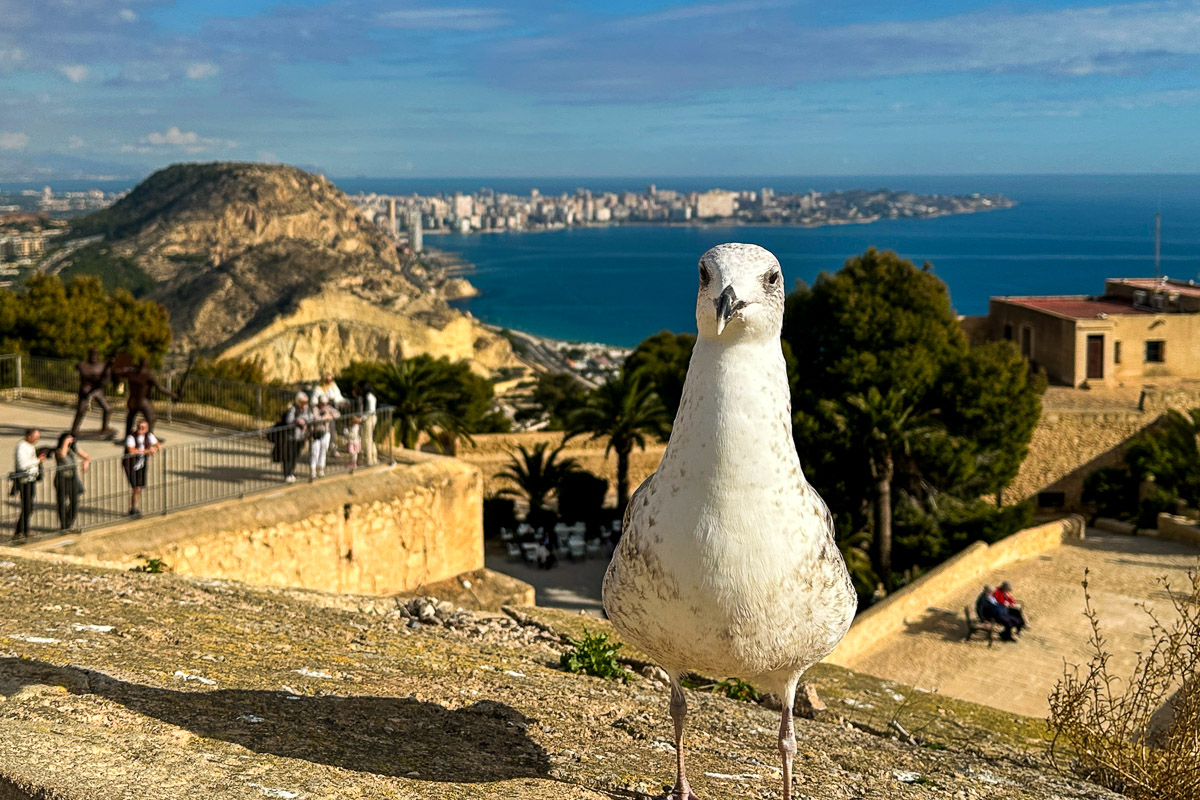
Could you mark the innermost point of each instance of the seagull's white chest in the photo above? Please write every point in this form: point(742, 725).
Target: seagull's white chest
point(727, 564)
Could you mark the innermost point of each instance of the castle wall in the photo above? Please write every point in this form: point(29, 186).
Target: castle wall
point(379, 532)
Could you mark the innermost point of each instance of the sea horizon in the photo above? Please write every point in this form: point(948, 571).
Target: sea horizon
point(617, 284)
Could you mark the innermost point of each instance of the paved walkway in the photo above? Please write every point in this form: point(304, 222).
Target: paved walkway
point(195, 466)
point(1019, 676)
point(570, 585)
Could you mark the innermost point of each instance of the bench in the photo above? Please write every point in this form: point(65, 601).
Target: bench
point(976, 625)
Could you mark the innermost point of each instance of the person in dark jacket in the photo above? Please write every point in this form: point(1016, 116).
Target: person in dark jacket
point(70, 465)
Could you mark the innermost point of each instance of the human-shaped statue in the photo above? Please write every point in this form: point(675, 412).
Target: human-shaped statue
point(94, 375)
point(140, 380)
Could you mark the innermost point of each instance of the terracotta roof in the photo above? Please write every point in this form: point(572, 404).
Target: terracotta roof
point(1150, 285)
point(1080, 307)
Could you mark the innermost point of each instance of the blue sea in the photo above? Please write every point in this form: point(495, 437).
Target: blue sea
point(620, 284)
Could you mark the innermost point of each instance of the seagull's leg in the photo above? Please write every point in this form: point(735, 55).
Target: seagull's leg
point(787, 737)
point(682, 790)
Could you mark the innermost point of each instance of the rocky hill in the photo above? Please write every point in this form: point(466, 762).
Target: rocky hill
point(123, 685)
point(274, 263)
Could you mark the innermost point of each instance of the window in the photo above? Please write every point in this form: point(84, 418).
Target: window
point(1116, 352)
point(1027, 341)
point(1156, 351)
point(1008, 333)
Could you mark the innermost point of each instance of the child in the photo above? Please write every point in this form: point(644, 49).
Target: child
point(353, 442)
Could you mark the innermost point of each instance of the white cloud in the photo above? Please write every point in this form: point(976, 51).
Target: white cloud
point(268, 156)
point(75, 142)
point(199, 70)
point(175, 138)
point(128, 14)
point(13, 140)
point(75, 73)
point(445, 19)
point(11, 57)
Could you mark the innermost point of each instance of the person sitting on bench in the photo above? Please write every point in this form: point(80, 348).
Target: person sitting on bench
point(1004, 596)
point(989, 609)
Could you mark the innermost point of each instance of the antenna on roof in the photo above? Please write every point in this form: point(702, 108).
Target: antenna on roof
point(1157, 247)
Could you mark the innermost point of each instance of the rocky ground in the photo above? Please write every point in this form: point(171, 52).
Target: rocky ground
point(127, 685)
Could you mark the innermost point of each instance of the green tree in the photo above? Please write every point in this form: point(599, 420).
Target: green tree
point(434, 396)
point(558, 394)
point(625, 410)
point(662, 360)
point(49, 318)
point(1170, 454)
point(989, 398)
point(881, 331)
point(422, 399)
point(230, 369)
point(536, 475)
point(882, 427)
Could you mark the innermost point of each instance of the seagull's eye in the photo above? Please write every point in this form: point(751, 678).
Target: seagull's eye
point(705, 276)
point(771, 279)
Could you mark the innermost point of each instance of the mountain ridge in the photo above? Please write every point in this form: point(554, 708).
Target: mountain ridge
point(234, 249)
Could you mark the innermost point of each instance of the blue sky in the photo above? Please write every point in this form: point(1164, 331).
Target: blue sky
point(92, 88)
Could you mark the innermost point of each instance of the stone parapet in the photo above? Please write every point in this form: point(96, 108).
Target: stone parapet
point(1179, 529)
point(892, 614)
point(383, 531)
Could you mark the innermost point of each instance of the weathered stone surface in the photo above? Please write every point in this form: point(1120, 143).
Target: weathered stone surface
point(123, 685)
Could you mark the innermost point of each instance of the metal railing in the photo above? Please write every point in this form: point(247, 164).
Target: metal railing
point(185, 475)
point(209, 401)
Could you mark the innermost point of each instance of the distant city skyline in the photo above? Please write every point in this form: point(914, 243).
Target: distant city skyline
point(106, 89)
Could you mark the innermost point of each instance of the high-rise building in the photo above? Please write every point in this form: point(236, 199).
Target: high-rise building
point(415, 233)
point(392, 216)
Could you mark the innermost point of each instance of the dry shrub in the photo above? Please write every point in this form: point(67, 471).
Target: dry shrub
point(1139, 736)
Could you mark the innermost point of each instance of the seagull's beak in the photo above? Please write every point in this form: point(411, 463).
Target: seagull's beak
point(727, 305)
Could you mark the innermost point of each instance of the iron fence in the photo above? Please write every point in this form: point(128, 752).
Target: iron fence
point(189, 474)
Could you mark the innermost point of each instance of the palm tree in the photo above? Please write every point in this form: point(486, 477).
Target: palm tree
point(537, 474)
point(422, 399)
point(625, 409)
point(885, 426)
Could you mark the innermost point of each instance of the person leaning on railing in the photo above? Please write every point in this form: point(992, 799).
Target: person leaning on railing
point(138, 446)
point(70, 465)
point(24, 478)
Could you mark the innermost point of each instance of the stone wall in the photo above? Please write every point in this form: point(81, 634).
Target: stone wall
point(892, 614)
point(1067, 446)
point(1179, 529)
point(389, 530)
point(490, 454)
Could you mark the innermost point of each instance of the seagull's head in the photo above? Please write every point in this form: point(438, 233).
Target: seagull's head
point(741, 293)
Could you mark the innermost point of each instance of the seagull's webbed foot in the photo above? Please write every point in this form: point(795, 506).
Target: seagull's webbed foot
point(682, 794)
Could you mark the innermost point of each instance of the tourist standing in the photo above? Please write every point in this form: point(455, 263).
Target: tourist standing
point(320, 431)
point(368, 428)
point(138, 446)
point(70, 465)
point(291, 434)
point(329, 390)
point(27, 470)
point(354, 441)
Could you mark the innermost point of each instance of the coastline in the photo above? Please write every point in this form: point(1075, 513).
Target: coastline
point(722, 222)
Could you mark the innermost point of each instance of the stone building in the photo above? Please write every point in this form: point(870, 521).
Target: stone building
point(1139, 328)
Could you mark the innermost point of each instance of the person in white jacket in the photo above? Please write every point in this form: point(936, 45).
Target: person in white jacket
point(26, 470)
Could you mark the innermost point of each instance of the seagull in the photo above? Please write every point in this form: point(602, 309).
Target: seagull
point(727, 564)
